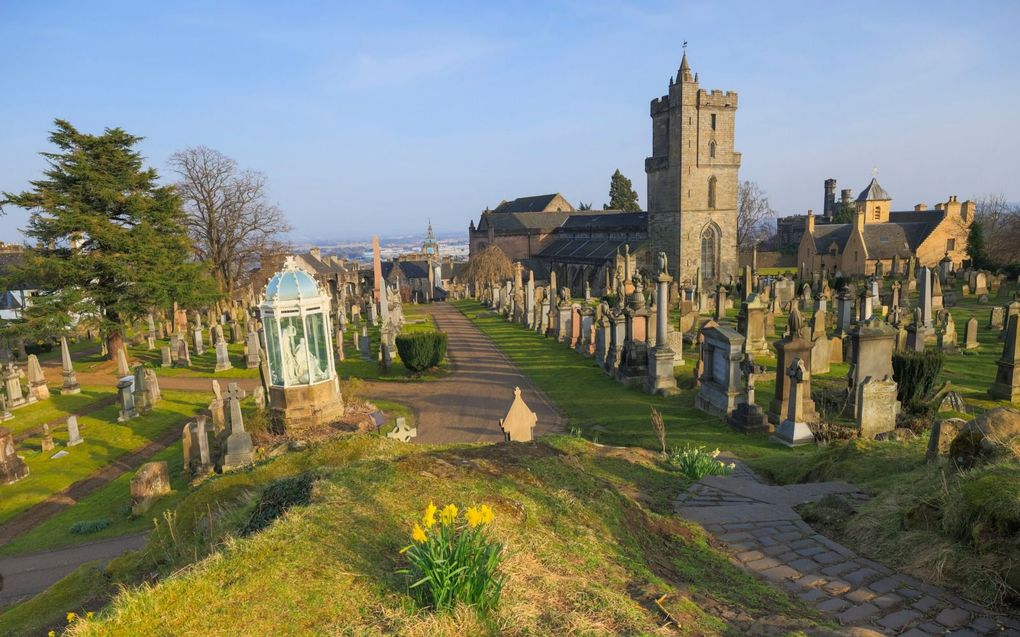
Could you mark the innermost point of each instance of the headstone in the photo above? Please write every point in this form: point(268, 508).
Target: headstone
point(1007, 377)
point(127, 400)
point(175, 341)
point(877, 406)
point(971, 338)
point(820, 357)
point(251, 359)
point(151, 482)
point(365, 344)
point(142, 397)
point(793, 430)
point(36, 380)
point(792, 347)
point(5, 413)
point(166, 360)
point(70, 385)
point(749, 417)
point(402, 432)
point(183, 355)
point(73, 435)
point(152, 382)
point(520, 421)
point(871, 352)
point(47, 444)
point(197, 459)
point(123, 369)
point(12, 383)
point(239, 448)
point(722, 351)
point(199, 342)
point(259, 396)
point(12, 468)
point(222, 356)
point(996, 318)
point(661, 358)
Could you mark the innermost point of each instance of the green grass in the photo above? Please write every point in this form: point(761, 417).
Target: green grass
point(202, 366)
point(105, 441)
point(58, 407)
point(585, 556)
point(86, 586)
point(416, 320)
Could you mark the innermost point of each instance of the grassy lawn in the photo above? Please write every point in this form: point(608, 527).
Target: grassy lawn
point(585, 555)
point(416, 320)
point(105, 441)
point(57, 407)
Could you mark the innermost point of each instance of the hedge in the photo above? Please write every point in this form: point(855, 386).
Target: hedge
point(421, 350)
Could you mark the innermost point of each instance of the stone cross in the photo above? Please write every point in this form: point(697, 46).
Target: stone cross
point(402, 432)
point(239, 448)
point(749, 369)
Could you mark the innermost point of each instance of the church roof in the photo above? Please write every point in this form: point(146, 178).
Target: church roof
point(624, 221)
point(512, 222)
point(596, 250)
point(874, 192)
point(528, 204)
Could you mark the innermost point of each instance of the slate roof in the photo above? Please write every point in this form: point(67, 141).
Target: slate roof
point(874, 192)
point(8, 301)
point(917, 225)
point(607, 221)
point(826, 234)
point(596, 250)
point(885, 240)
point(537, 203)
point(411, 269)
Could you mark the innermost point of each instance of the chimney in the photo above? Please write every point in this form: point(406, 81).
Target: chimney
point(809, 223)
point(967, 210)
point(859, 220)
point(920, 207)
point(846, 195)
point(829, 207)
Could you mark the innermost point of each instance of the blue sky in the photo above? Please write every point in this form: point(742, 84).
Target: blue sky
point(372, 117)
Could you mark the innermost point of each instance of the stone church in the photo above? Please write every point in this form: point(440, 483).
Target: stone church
point(691, 205)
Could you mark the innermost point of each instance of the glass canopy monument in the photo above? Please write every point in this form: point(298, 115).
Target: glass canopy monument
point(296, 324)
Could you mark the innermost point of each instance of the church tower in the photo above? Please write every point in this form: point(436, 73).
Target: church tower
point(692, 180)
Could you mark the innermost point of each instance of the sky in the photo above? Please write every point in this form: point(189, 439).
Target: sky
point(374, 117)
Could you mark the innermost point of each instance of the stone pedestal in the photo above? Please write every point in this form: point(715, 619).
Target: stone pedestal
point(1007, 377)
point(70, 385)
point(296, 408)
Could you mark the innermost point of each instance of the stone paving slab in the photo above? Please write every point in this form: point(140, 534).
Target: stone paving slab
point(767, 536)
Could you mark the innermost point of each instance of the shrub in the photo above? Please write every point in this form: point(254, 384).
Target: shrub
point(38, 348)
point(278, 497)
point(421, 350)
point(453, 561)
point(696, 463)
point(916, 375)
point(86, 527)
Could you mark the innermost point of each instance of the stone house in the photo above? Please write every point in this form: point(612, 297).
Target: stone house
point(881, 235)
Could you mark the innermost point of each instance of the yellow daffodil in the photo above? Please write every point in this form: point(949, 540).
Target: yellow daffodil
point(89, 615)
point(448, 514)
point(418, 534)
point(715, 453)
point(733, 465)
point(71, 617)
point(487, 514)
point(473, 517)
point(52, 633)
point(429, 519)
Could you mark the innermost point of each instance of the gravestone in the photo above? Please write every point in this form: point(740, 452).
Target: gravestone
point(239, 448)
point(183, 355)
point(142, 397)
point(217, 408)
point(12, 383)
point(793, 430)
point(996, 318)
point(195, 437)
point(222, 356)
point(151, 482)
point(365, 344)
point(36, 380)
point(166, 360)
point(752, 324)
point(872, 346)
point(251, 358)
point(73, 435)
point(917, 332)
point(47, 443)
point(402, 432)
point(70, 385)
point(820, 357)
point(1007, 377)
point(970, 334)
point(792, 347)
point(722, 350)
point(877, 406)
point(12, 468)
point(520, 421)
point(661, 358)
point(175, 342)
point(127, 400)
point(5, 413)
point(152, 383)
point(749, 417)
point(199, 342)
point(123, 369)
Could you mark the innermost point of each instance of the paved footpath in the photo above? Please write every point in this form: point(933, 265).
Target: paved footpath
point(28, 575)
point(766, 536)
point(466, 405)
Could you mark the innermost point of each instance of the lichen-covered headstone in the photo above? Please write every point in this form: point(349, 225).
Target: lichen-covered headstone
point(150, 483)
point(12, 468)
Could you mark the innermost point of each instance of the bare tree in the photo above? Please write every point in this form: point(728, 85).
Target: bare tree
point(488, 267)
point(231, 222)
point(754, 214)
point(1000, 224)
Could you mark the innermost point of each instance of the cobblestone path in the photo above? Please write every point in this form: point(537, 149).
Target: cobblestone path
point(766, 535)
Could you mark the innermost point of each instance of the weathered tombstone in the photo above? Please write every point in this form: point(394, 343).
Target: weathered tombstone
point(722, 350)
point(792, 347)
point(123, 369)
point(947, 335)
point(5, 413)
point(222, 356)
point(36, 380)
point(151, 482)
point(877, 406)
point(127, 400)
point(183, 355)
point(520, 421)
point(70, 385)
point(661, 358)
point(239, 448)
point(1007, 377)
point(835, 350)
point(720, 303)
point(199, 341)
point(402, 432)
point(175, 341)
point(942, 434)
point(996, 318)
point(166, 360)
point(844, 311)
point(73, 435)
point(749, 417)
point(980, 283)
point(820, 357)
point(12, 468)
point(251, 359)
point(47, 443)
point(365, 344)
point(152, 383)
point(917, 333)
point(12, 383)
point(753, 325)
point(793, 430)
point(218, 407)
point(197, 459)
point(970, 334)
point(871, 352)
point(141, 395)
point(259, 396)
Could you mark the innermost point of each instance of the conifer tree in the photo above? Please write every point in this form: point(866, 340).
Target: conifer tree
point(110, 241)
point(621, 194)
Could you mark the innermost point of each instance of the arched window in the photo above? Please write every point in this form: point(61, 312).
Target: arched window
point(711, 150)
point(711, 192)
point(709, 241)
point(877, 214)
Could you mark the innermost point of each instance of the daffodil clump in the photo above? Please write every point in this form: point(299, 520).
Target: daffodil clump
point(696, 463)
point(453, 560)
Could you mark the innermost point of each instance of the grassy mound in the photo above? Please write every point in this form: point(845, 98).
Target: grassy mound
point(592, 548)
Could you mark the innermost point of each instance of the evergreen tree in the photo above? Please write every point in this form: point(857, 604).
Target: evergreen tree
point(976, 246)
point(110, 241)
point(621, 194)
point(844, 213)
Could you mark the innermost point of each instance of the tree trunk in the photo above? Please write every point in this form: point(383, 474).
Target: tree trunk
point(114, 341)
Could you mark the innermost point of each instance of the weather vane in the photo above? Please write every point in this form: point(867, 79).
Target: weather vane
point(685, 44)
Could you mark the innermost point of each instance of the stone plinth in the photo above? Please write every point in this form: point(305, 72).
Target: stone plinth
point(297, 408)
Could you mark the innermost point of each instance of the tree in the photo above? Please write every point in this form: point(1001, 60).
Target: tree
point(583, 206)
point(976, 246)
point(488, 266)
point(844, 212)
point(754, 214)
point(230, 220)
point(1000, 229)
point(111, 243)
point(621, 194)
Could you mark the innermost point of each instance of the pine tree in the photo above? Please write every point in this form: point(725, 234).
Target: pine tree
point(110, 241)
point(976, 246)
point(621, 194)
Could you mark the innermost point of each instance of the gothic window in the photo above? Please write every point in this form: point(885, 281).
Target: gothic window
point(711, 150)
point(713, 121)
point(711, 192)
point(709, 243)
